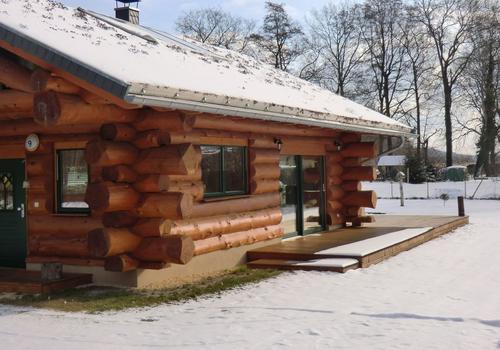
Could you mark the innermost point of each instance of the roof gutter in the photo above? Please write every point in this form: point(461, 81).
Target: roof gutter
point(207, 107)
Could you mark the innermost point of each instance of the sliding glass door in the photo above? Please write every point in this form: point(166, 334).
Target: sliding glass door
point(302, 194)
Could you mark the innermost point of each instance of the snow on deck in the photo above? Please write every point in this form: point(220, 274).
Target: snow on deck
point(374, 244)
point(138, 55)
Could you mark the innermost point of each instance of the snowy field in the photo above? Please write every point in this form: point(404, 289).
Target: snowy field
point(444, 294)
point(486, 189)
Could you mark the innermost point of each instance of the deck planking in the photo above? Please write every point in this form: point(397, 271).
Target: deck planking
point(316, 246)
point(23, 281)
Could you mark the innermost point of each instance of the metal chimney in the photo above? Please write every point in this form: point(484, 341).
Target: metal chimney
point(125, 11)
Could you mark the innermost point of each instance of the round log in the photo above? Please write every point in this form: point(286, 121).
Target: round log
point(166, 183)
point(121, 263)
point(214, 226)
point(60, 247)
point(262, 142)
point(333, 180)
point(333, 206)
point(109, 196)
point(51, 108)
point(351, 186)
point(39, 184)
point(165, 205)
point(335, 192)
point(351, 162)
point(40, 203)
point(334, 169)
point(264, 186)
point(267, 156)
point(16, 102)
point(38, 165)
point(151, 227)
point(175, 249)
point(206, 121)
point(151, 139)
point(360, 150)
point(353, 211)
point(350, 138)
point(119, 219)
point(360, 173)
point(94, 99)
point(333, 157)
point(366, 199)
point(23, 127)
point(163, 120)
point(237, 239)
point(264, 171)
point(104, 242)
point(62, 226)
point(239, 205)
point(335, 218)
point(15, 76)
point(117, 132)
point(170, 160)
point(42, 80)
point(108, 153)
point(119, 173)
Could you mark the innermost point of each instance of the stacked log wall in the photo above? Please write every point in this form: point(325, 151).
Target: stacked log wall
point(145, 192)
point(345, 170)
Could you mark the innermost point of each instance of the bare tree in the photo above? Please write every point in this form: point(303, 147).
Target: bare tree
point(216, 27)
point(448, 24)
point(420, 76)
point(336, 37)
point(382, 34)
point(279, 36)
point(482, 86)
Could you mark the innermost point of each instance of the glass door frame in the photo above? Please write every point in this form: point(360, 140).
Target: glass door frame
point(299, 208)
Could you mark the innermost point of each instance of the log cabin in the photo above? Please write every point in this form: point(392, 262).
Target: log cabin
point(146, 159)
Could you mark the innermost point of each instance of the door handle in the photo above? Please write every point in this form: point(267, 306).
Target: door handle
point(21, 210)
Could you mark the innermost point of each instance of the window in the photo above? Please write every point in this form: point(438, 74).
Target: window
point(224, 170)
point(72, 180)
point(6, 192)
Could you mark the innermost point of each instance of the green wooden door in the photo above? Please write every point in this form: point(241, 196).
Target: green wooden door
point(12, 214)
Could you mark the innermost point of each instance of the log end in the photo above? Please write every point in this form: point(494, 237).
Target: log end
point(39, 79)
point(98, 243)
point(46, 108)
point(97, 196)
point(181, 248)
point(117, 219)
point(121, 263)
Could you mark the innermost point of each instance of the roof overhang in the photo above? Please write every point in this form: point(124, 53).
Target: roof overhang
point(231, 110)
point(143, 95)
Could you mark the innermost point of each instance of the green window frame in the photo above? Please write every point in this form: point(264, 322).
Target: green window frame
point(62, 181)
point(217, 176)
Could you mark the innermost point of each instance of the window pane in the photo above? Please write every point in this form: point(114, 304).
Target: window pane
point(6, 192)
point(73, 179)
point(210, 168)
point(234, 169)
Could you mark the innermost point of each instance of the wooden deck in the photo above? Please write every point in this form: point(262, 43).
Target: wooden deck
point(22, 281)
point(307, 252)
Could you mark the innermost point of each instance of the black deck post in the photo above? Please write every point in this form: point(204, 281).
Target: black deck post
point(461, 208)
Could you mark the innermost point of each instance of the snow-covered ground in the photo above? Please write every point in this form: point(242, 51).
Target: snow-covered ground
point(480, 189)
point(444, 294)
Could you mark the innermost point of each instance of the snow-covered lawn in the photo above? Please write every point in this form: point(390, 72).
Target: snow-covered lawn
point(480, 189)
point(444, 294)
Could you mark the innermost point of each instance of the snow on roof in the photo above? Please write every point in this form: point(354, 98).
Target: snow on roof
point(391, 160)
point(155, 64)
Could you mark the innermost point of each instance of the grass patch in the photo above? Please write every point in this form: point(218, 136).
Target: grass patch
point(99, 299)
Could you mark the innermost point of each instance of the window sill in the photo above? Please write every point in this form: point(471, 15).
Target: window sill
point(71, 214)
point(225, 198)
